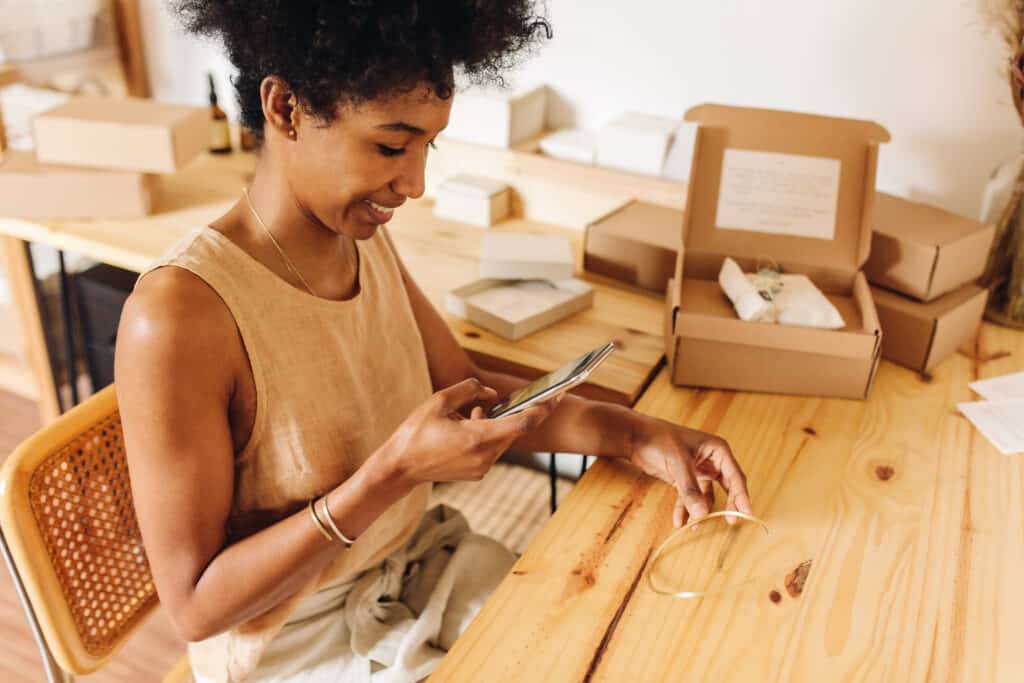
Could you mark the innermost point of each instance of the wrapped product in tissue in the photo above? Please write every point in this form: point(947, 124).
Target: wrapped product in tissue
point(745, 298)
point(799, 302)
point(769, 296)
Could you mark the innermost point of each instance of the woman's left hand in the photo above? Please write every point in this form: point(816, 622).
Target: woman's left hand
point(690, 462)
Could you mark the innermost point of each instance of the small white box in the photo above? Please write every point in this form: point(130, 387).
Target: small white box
point(516, 256)
point(497, 117)
point(637, 143)
point(571, 144)
point(474, 200)
point(514, 309)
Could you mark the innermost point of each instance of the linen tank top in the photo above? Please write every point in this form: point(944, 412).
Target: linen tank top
point(333, 381)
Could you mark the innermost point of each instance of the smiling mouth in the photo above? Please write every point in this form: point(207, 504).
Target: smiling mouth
point(379, 212)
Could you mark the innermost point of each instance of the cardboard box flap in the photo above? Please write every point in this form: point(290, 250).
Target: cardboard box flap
point(798, 188)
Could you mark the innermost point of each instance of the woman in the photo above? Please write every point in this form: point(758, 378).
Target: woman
point(288, 393)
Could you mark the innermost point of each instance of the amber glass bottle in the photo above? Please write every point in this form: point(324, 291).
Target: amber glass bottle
point(220, 133)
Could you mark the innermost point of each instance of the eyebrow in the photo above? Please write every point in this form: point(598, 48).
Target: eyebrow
point(403, 127)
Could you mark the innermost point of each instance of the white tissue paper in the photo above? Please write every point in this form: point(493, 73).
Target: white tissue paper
point(797, 301)
point(745, 298)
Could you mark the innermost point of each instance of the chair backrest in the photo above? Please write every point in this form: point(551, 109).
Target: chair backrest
point(67, 515)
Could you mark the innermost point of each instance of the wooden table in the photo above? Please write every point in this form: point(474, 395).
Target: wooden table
point(440, 254)
point(895, 554)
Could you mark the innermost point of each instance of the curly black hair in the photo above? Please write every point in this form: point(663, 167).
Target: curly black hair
point(335, 52)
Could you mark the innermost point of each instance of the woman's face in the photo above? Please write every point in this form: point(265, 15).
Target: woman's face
point(352, 174)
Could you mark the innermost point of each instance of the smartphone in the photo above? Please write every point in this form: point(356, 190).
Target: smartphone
point(552, 384)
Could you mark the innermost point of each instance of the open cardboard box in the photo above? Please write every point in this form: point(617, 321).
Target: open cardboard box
point(756, 161)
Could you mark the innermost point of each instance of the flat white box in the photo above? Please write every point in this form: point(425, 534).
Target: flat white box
point(517, 256)
point(571, 144)
point(637, 143)
point(500, 118)
point(473, 199)
point(514, 309)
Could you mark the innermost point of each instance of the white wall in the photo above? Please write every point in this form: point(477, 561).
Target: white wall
point(926, 69)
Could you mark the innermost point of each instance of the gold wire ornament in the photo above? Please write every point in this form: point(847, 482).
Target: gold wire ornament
point(686, 595)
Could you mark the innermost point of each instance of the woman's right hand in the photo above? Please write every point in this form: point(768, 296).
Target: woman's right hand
point(436, 443)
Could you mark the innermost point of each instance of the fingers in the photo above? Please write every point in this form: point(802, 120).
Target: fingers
point(717, 456)
point(457, 395)
point(691, 502)
point(477, 413)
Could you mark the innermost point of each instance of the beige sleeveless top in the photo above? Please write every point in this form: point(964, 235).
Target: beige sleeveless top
point(333, 380)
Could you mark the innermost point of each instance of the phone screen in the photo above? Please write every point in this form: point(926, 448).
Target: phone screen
point(548, 381)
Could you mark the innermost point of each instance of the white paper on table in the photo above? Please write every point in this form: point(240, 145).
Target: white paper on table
point(787, 194)
point(1002, 388)
point(1001, 422)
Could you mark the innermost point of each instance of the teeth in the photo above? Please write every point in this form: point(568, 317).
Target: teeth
point(378, 207)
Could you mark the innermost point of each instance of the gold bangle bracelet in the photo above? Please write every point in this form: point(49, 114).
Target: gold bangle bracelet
point(319, 524)
point(682, 530)
point(334, 527)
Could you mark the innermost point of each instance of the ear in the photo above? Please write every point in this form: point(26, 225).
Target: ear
point(280, 108)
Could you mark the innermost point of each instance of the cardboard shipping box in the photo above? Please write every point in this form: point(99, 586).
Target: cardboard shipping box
point(472, 199)
point(501, 118)
point(923, 251)
point(637, 244)
point(920, 335)
point(795, 189)
point(123, 133)
point(29, 189)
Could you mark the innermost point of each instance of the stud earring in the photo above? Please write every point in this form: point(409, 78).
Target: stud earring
point(291, 133)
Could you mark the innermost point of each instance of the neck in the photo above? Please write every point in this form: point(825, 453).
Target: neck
point(324, 258)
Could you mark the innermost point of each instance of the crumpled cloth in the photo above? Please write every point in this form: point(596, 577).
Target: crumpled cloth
point(394, 622)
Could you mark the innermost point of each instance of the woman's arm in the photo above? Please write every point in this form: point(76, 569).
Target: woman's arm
point(181, 461)
point(687, 459)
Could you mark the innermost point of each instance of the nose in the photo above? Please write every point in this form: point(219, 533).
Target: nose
point(410, 180)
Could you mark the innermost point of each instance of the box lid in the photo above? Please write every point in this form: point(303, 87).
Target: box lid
point(808, 180)
point(642, 222)
point(133, 111)
point(927, 225)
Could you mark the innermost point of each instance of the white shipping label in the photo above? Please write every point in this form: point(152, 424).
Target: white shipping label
point(786, 194)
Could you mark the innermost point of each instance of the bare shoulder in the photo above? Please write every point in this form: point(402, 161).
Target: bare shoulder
point(174, 324)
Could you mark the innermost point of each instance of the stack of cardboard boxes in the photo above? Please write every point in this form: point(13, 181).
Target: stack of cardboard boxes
point(923, 267)
point(96, 157)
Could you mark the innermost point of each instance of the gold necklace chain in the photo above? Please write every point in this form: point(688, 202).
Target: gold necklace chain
point(284, 256)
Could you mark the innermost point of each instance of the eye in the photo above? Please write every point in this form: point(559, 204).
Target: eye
point(390, 151)
point(431, 145)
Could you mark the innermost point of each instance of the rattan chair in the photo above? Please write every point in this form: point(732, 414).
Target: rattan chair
point(71, 541)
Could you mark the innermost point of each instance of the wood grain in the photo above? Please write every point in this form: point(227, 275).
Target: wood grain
point(895, 550)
